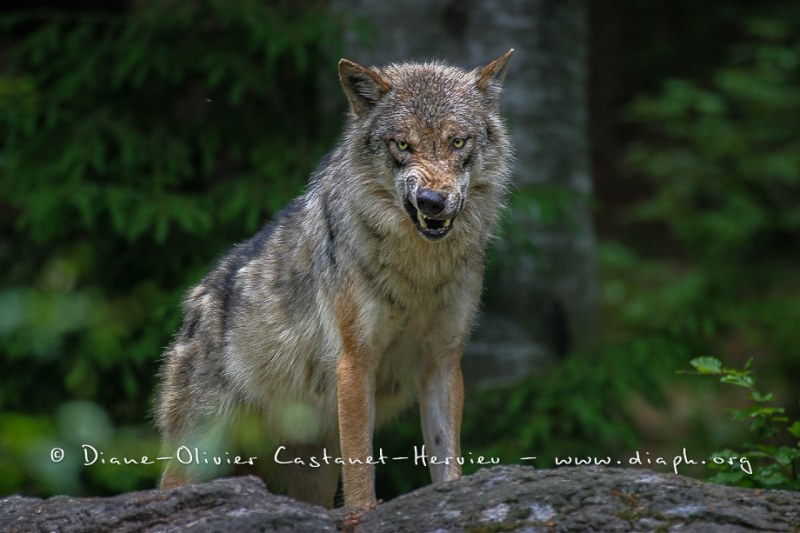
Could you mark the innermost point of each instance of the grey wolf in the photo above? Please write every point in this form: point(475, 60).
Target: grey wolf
point(358, 298)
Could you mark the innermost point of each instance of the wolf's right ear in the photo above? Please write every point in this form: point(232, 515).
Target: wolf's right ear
point(363, 86)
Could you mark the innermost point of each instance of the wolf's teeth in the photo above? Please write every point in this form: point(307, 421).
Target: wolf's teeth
point(421, 219)
point(446, 223)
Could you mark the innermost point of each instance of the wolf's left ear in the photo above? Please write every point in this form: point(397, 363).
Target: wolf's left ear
point(490, 77)
point(363, 86)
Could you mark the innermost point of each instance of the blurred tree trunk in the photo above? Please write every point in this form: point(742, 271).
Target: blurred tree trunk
point(540, 299)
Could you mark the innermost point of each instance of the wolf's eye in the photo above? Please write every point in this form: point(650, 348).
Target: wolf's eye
point(401, 145)
point(458, 143)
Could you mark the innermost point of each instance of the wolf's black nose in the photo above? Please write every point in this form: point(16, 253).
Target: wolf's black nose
point(430, 202)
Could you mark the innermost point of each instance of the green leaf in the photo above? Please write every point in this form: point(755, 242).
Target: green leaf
point(707, 365)
point(740, 380)
point(772, 476)
point(785, 455)
point(758, 397)
point(794, 429)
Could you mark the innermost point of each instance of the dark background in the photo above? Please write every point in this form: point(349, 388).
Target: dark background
point(141, 139)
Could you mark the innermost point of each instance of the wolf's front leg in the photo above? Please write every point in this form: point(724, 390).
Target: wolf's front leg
point(356, 405)
point(441, 405)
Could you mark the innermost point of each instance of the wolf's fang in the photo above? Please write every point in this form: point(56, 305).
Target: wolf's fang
point(421, 219)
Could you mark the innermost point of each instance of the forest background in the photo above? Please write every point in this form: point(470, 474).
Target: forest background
point(140, 140)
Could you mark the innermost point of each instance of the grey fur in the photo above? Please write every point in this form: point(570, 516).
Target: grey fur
point(262, 331)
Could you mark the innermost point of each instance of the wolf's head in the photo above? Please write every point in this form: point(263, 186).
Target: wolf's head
point(433, 135)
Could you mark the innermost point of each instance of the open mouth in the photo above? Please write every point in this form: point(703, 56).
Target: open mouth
point(430, 228)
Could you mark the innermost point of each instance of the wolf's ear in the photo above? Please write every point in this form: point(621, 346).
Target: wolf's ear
point(490, 77)
point(363, 86)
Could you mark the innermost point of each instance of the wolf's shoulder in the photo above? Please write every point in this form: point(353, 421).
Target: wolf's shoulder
point(257, 246)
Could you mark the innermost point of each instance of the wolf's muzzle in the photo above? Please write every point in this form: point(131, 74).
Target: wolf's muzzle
point(430, 213)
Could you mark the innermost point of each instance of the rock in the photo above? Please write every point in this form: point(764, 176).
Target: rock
point(502, 498)
point(240, 504)
point(515, 498)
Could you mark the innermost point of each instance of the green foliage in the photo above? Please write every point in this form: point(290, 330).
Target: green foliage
point(724, 158)
point(721, 157)
point(137, 144)
point(777, 461)
point(643, 294)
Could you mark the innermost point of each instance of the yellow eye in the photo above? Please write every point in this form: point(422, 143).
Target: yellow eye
point(458, 143)
point(401, 145)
